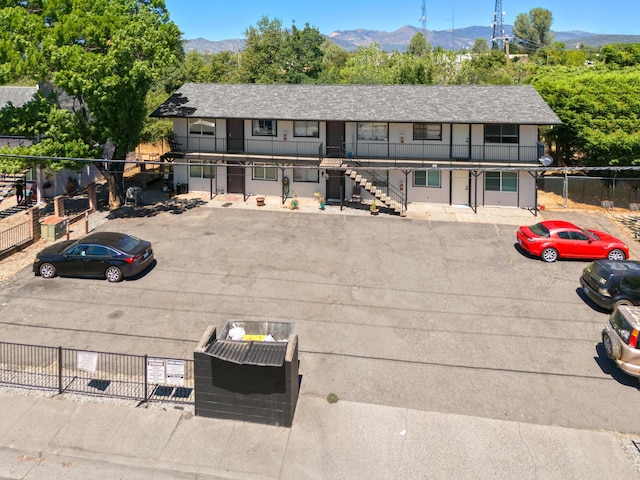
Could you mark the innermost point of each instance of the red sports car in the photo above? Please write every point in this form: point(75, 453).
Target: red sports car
point(555, 239)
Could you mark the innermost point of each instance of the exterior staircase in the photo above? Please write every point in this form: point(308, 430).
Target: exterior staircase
point(8, 182)
point(381, 195)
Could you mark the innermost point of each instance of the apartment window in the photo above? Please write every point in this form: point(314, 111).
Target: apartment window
point(264, 172)
point(306, 129)
point(200, 169)
point(426, 178)
point(373, 131)
point(199, 126)
point(501, 133)
point(427, 131)
point(501, 181)
point(264, 128)
point(311, 175)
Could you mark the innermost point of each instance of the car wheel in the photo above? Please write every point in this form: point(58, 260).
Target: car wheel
point(610, 347)
point(621, 302)
point(47, 270)
point(549, 255)
point(113, 274)
point(616, 254)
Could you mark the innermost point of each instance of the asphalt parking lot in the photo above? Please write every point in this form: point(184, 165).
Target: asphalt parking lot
point(436, 316)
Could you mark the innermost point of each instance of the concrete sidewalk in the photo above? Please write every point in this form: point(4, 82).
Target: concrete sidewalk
point(61, 438)
point(415, 211)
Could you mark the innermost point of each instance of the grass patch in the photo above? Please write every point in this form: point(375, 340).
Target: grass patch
point(332, 398)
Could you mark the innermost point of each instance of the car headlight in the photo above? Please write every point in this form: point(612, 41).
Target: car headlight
point(603, 291)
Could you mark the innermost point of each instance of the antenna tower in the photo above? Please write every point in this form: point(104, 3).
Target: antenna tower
point(423, 18)
point(498, 30)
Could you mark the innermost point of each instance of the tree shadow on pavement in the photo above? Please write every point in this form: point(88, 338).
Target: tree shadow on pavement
point(174, 206)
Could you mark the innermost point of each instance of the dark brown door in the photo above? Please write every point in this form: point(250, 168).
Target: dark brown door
point(235, 135)
point(335, 139)
point(235, 179)
point(335, 185)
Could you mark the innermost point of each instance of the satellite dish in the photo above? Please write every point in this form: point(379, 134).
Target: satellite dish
point(545, 161)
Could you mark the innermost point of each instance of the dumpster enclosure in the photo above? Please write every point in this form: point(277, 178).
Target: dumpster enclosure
point(248, 373)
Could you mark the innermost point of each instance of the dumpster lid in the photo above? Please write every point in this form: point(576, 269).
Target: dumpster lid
point(262, 343)
point(262, 354)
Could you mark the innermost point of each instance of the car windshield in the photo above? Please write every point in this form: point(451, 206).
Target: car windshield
point(128, 243)
point(539, 229)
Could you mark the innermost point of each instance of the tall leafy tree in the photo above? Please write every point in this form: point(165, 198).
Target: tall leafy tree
point(369, 65)
point(333, 60)
point(418, 45)
point(533, 29)
point(105, 55)
point(600, 111)
point(273, 54)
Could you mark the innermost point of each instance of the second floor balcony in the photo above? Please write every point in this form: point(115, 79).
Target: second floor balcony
point(376, 152)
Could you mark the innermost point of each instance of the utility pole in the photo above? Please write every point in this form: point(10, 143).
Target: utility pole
point(506, 49)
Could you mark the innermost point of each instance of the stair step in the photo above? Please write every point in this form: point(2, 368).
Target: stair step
point(357, 178)
point(348, 173)
point(369, 187)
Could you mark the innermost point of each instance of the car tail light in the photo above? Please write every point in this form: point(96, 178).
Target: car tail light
point(633, 340)
point(130, 260)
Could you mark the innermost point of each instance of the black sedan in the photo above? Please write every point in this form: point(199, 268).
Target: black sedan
point(109, 255)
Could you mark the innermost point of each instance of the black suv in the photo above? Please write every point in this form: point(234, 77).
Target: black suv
point(610, 284)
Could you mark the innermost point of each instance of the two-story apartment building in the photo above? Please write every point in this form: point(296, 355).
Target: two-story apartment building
point(459, 145)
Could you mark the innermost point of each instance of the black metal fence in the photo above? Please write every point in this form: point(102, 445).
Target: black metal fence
point(15, 235)
point(66, 370)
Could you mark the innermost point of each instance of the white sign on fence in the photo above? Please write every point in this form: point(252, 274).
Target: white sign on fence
point(155, 370)
point(87, 361)
point(175, 372)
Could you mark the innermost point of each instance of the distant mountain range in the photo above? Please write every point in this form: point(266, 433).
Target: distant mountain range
point(456, 39)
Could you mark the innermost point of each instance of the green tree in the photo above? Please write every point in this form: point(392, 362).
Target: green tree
point(418, 45)
point(260, 59)
point(600, 111)
point(622, 55)
point(105, 55)
point(533, 29)
point(273, 54)
point(369, 65)
point(480, 46)
point(334, 58)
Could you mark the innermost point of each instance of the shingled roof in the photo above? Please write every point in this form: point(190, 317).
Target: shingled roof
point(18, 96)
point(362, 103)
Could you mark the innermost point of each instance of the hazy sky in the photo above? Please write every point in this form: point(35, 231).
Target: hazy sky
point(221, 20)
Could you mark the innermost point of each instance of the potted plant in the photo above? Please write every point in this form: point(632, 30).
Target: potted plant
point(374, 208)
point(294, 202)
point(320, 200)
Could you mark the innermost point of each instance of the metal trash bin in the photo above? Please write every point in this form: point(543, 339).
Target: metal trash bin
point(133, 195)
point(248, 373)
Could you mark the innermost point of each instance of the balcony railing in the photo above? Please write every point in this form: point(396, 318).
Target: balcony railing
point(374, 151)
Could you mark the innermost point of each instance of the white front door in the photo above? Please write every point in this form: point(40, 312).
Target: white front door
point(459, 187)
point(460, 141)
